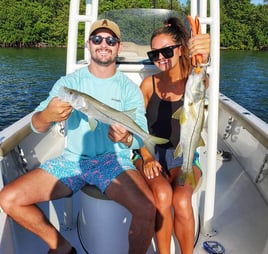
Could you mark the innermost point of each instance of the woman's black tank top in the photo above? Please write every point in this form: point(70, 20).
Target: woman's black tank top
point(160, 122)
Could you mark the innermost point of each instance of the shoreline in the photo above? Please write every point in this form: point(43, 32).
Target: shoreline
point(46, 45)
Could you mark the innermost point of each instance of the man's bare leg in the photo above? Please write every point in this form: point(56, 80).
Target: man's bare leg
point(18, 200)
point(130, 190)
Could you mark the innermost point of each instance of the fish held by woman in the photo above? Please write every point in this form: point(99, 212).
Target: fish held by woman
point(98, 111)
point(191, 116)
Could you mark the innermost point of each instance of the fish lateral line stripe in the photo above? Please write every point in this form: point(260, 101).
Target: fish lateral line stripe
point(192, 136)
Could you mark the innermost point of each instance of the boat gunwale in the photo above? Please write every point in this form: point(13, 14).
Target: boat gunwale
point(254, 125)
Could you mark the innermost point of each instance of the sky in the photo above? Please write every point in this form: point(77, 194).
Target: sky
point(252, 1)
point(257, 1)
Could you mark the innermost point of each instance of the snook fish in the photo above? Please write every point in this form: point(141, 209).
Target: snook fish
point(191, 117)
point(96, 110)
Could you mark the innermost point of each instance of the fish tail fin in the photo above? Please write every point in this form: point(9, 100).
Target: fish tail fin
point(190, 178)
point(182, 178)
point(151, 141)
point(187, 177)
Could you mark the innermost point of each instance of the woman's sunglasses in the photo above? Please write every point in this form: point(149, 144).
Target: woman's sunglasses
point(97, 40)
point(167, 52)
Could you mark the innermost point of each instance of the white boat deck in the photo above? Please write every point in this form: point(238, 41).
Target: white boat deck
point(240, 219)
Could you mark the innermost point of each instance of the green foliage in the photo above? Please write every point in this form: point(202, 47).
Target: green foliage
point(139, 33)
point(28, 23)
point(106, 5)
point(243, 25)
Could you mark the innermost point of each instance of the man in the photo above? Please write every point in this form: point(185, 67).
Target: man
point(100, 157)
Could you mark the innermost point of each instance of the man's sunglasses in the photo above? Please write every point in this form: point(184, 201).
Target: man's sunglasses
point(167, 52)
point(97, 40)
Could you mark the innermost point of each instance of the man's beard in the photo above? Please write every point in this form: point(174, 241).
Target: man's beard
point(103, 63)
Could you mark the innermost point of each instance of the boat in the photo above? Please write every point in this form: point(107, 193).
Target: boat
point(231, 201)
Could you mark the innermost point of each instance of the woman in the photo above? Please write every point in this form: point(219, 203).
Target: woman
point(163, 92)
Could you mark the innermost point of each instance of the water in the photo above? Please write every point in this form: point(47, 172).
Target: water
point(26, 77)
point(28, 74)
point(244, 79)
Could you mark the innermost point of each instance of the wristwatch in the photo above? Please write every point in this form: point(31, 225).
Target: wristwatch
point(129, 138)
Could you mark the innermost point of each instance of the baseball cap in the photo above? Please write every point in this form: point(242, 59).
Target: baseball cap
point(105, 23)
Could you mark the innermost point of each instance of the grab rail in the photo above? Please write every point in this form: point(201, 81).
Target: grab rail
point(90, 16)
point(199, 8)
point(256, 127)
point(12, 136)
point(10, 143)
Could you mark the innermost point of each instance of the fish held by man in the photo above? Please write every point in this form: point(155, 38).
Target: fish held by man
point(191, 117)
point(98, 111)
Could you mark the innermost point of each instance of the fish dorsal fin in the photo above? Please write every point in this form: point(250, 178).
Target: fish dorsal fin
point(180, 114)
point(177, 114)
point(92, 123)
point(178, 151)
point(131, 113)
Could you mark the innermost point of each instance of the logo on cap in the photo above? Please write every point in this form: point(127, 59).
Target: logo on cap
point(105, 22)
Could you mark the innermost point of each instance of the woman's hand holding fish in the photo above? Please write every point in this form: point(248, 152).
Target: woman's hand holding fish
point(200, 45)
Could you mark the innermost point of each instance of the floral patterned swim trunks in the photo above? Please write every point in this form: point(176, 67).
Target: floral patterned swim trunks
point(98, 171)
